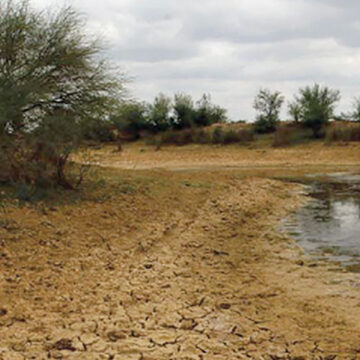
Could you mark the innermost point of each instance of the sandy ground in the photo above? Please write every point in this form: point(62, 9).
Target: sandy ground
point(172, 265)
point(140, 156)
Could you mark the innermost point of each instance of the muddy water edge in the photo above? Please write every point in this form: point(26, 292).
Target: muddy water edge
point(328, 226)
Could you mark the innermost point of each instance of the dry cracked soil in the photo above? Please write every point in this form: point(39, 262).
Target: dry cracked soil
point(170, 265)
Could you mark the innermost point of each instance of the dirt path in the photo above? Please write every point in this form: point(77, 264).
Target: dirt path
point(180, 268)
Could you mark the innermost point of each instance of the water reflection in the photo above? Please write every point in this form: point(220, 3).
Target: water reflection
point(329, 226)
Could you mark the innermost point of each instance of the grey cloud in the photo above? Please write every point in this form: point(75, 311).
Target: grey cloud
point(229, 48)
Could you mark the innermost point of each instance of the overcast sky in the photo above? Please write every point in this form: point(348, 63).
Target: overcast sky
point(230, 48)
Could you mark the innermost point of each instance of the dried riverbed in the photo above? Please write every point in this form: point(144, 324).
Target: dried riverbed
point(170, 265)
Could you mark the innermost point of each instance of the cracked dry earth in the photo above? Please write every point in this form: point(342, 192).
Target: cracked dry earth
point(178, 269)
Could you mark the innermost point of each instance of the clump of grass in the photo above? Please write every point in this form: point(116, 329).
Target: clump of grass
point(343, 133)
point(201, 136)
point(179, 138)
point(236, 136)
point(282, 136)
point(286, 135)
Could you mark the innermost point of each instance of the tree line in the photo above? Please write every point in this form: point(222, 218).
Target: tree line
point(313, 107)
point(132, 118)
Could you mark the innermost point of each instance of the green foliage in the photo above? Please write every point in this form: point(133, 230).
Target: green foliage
point(184, 111)
point(186, 114)
point(159, 113)
point(218, 135)
point(317, 106)
point(207, 114)
point(173, 137)
point(98, 130)
point(130, 118)
point(268, 104)
point(264, 126)
point(294, 110)
point(51, 86)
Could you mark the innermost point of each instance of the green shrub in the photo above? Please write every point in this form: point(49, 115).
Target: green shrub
point(173, 137)
point(159, 113)
point(201, 136)
point(203, 113)
point(264, 126)
point(130, 119)
point(316, 107)
point(218, 136)
point(268, 104)
point(235, 137)
point(99, 131)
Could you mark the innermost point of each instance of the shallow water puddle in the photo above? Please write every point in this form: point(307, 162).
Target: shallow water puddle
point(328, 228)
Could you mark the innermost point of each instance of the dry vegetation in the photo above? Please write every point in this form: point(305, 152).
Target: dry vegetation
point(258, 154)
point(157, 264)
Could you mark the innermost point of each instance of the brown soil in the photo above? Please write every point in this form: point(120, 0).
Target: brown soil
point(170, 265)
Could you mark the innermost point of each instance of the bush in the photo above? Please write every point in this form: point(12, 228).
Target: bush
point(159, 114)
point(179, 138)
point(344, 133)
point(290, 134)
point(218, 136)
point(264, 126)
point(239, 136)
point(187, 115)
point(184, 111)
point(317, 106)
point(206, 113)
point(230, 136)
point(99, 131)
point(202, 136)
point(282, 136)
point(130, 119)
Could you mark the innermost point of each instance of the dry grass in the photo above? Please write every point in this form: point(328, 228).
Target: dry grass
point(259, 154)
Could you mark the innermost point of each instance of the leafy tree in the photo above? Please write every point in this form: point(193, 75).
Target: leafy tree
point(130, 118)
point(268, 104)
point(183, 111)
point(51, 84)
point(294, 110)
point(159, 113)
point(203, 113)
point(317, 106)
point(207, 113)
